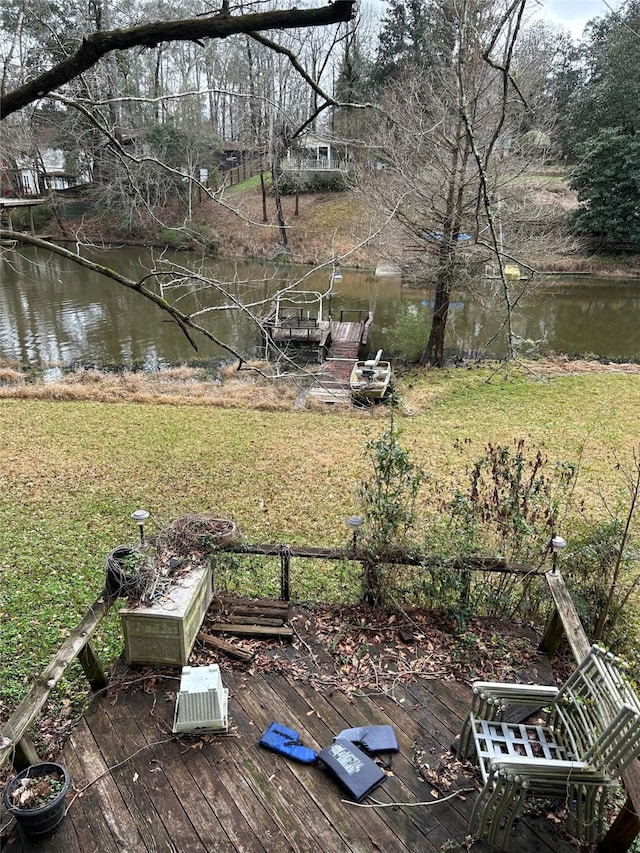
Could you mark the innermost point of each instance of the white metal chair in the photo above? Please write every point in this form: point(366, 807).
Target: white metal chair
point(590, 734)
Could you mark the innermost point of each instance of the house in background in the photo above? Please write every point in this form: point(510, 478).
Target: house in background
point(316, 152)
point(232, 154)
point(37, 164)
point(316, 160)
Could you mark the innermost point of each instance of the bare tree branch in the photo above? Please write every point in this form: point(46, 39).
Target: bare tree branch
point(100, 44)
point(184, 321)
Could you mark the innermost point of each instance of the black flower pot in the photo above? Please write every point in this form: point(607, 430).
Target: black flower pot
point(42, 821)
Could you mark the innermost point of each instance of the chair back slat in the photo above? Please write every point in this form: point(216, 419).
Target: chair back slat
point(619, 744)
point(597, 713)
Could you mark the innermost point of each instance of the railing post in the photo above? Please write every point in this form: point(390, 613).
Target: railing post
point(92, 668)
point(25, 753)
point(285, 566)
point(624, 830)
point(552, 635)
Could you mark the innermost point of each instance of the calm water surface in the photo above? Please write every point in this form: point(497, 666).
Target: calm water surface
point(53, 314)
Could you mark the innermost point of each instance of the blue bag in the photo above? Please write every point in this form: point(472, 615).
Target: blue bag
point(287, 742)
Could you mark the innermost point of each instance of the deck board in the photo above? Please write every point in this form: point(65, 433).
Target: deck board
point(223, 792)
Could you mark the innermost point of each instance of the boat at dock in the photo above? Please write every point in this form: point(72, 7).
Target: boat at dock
point(371, 380)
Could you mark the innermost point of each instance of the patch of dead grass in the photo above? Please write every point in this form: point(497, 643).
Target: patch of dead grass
point(172, 387)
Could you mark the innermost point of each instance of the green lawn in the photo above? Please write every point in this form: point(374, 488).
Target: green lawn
point(71, 474)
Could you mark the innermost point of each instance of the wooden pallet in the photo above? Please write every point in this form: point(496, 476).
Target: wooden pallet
point(264, 618)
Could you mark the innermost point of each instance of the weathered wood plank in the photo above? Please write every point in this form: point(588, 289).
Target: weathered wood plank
point(318, 722)
point(151, 775)
point(226, 648)
point(415, 826)
point(278, 604)
point(284, 633)
point(213, 764)
point(92, 668)
point(409, 828)
point(255, 619)
point(224, 792)
point(399, 556)
point(34, 701)
point(271, 778)
point(576, 636)
point(337, 711)
point(255, 610)
point(213, 814)
point(624, 829)
point(103, 795)
point(321, 796)
point(112, 732)
point(92, 834)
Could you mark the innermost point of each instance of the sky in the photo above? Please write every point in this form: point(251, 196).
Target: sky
point(572, 15)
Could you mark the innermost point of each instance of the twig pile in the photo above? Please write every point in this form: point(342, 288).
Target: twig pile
point(197, 532)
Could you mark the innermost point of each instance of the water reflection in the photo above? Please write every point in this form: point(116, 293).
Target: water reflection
point(53, 313)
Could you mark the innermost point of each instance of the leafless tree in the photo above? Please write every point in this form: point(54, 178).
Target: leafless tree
point(447, 157)
point(165, 70)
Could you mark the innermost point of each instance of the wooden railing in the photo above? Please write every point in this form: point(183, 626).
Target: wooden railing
point(15, 740)
point(565, 620)
point(314, 164)
point(243, 172)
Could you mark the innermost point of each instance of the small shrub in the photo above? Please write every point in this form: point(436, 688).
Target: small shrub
point(290, 183)
point(388, 501)
point(21, 219)
point(510, 509)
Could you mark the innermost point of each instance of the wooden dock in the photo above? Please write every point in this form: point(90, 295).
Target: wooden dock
point(138, 788)
point(301, 332)
point(340, 350)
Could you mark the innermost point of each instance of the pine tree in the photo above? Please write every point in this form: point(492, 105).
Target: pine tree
point(415, 34)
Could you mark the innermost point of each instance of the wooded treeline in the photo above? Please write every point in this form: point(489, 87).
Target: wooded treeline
point(441, 109)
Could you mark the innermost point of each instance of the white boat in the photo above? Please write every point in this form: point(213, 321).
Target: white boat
point(371, 379)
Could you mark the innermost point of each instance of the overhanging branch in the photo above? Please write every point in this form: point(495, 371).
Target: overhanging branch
point(150, 35)
point(184, 321)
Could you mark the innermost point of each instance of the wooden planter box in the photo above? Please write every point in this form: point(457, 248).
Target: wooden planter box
point(164, 632)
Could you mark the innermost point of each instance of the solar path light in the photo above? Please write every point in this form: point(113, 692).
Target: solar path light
point(354, 523)
point(557, 545)
point(140, 516)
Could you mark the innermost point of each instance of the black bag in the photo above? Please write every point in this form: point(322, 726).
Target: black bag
point(355, 771)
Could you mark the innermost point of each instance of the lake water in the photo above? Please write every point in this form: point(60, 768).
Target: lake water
point(54, 314)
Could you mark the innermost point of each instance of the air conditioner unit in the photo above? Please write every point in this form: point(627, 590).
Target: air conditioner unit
point(201, 704)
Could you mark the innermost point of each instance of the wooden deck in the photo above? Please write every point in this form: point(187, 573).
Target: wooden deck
point(144, 790)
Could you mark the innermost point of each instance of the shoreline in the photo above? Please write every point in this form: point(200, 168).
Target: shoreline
point(113, 245)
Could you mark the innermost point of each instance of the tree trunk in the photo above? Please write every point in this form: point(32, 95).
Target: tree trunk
point(276, 194)
point(433, 353)
point(265, 218)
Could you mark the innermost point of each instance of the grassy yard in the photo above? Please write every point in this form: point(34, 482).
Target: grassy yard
point(72, 472)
